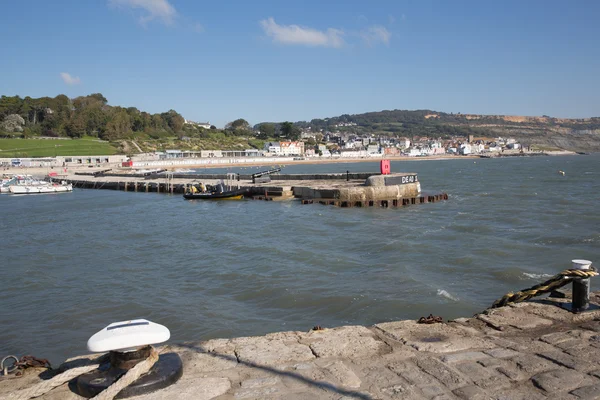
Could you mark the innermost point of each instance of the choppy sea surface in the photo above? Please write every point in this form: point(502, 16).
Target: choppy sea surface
point(72, 263)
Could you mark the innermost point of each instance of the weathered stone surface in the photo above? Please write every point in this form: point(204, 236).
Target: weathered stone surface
point(568, 361)
point(344, 375)
point(513, 373)
point(436, 338)
point(544, 311)
point(400, 391)
point(196, 389)
point(433, 391)
point(354, 396)
point(465, 356)
point(569, 344)
point(556, 338)
point(450, 377)
point(492, 362)
point(444, 396)
point(501, 353)
point(595, 373)
point(471, 393)
point(496, 381)
point(532, 364)
point(260, 382)
point(509, 344)
point(513, 317)
point(476, 372)
point(588, 392)
point(520, 393)
point(377, 377)
point(207, 362)
point(348, 341)
point(592, 326)
point(559, 380)
point(259, 393)
point(411, 373)
point(271, 350)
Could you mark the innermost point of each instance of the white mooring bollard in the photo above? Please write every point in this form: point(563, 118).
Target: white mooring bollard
point(581, 288)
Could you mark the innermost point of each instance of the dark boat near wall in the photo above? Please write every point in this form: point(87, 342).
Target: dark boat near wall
point(234, 194)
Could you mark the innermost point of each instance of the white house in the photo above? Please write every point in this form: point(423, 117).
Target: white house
point(205, 125)
point(465, 149)
point(373, 149)
point(414, 152)
point(291, 148)
point(273, 148)
point(404, 143)
point(478, 148)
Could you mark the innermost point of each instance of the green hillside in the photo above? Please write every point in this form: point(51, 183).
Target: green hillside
point(51, 148)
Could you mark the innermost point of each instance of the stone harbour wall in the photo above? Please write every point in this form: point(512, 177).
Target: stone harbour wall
point(533, 350)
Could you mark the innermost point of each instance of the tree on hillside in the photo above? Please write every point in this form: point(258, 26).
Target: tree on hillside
point(119, 125)
point(238, 124)
point(12, 123)
point(173, 120)
point(10, 105)
point(266, 130)
point(290, 131)
point(76, 127)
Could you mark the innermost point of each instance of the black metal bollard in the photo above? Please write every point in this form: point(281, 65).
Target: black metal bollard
point(581, 288)
point(347, 176)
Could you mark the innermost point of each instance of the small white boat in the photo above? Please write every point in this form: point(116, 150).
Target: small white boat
point(18, 180)
point(26, 184)
point(47, 187)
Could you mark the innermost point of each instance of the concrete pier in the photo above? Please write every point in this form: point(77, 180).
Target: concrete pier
point(532, 350)
point(339, 189)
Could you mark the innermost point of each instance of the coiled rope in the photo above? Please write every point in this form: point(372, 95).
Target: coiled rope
point(559, 280)
point(108, 394)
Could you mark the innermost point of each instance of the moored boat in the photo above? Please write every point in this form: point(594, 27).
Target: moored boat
point(218, 192)
point(26, 184)
point(46, 187)
point(19, 180)
point(236, 194)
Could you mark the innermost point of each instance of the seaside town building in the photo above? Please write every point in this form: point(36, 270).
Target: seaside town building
point(285, 148)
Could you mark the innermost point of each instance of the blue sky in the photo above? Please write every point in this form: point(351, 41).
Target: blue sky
point(278, 60)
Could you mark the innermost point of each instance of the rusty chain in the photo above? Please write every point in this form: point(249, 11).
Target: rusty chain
point(21, 364)
point(431, 319)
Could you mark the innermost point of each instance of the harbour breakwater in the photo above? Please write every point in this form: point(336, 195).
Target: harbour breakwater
point(340, 189)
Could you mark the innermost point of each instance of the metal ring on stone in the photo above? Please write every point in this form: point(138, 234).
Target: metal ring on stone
point(7, 369)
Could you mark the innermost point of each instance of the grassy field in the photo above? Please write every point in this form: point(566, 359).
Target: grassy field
point(51, 148)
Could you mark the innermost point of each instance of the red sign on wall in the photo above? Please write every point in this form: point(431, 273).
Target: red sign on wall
point(385, 167)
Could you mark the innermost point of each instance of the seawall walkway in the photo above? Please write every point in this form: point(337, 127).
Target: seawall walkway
point(532, 350)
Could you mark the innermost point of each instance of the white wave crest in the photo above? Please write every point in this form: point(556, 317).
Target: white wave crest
point(447, 295)
point(536, 276)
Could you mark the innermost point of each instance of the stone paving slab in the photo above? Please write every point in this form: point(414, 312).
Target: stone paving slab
point(436, 338)
point(519, 318)
point(347, 341)
point(533, 352)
